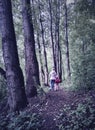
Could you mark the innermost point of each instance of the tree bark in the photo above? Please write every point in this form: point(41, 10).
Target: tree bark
point(66, 39)
point(32, 68)
point(51, 32)
point(36, 22)
point(40, 58)
point(15, 81)
point(57, 42)
point(43, 42)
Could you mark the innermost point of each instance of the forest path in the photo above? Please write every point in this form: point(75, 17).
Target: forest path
point(49, 106)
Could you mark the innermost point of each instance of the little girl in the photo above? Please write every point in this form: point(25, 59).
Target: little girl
point(57, 81)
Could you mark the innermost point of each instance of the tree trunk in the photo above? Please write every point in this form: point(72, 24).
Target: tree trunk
point(57, 48)
point(45, 54)
point(32, 69)
point(36, 22)
point(66, 39)
point(60, 64)
point(57, 20)
point(59, 45)
point(51, 31)
point(40, 58)
point(15, 81)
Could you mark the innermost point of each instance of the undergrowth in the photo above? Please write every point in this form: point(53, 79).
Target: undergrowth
point(24, 121)
point(79, 117)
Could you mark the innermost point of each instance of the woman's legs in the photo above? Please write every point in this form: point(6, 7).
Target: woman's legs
point(52, 82)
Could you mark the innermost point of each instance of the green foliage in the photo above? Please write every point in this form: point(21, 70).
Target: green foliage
point(82, 47)
point(24, 121)
point(87, 6)
point(83, 74)
point(3, 88)
point(82, 117)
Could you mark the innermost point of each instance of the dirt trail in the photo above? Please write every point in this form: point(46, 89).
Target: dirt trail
point(50, 106)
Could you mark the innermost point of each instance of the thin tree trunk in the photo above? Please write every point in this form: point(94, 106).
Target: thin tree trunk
point(32, 69)
point(66, 39)
point(15, 81)
point(57, 41)
point(45, 54)
point(57, 17)
point(60, 64)
point(59, 46)
point(42, 73)
point(40, 57)
point(51, 31)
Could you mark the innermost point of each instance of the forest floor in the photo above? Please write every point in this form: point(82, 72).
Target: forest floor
point(50, 105)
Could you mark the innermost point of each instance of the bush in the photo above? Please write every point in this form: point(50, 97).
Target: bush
point(24, 121)
point(80, 118)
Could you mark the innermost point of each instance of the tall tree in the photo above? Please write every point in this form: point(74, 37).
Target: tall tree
point(57, 39)
point(15, 81)
point(40, 59)
point(32, 69)
point(66, 39)
point(37, 33)
point(54, 11)
point(51, 32)
point(43, 42)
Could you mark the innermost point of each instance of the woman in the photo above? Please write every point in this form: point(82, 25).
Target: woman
point(52, 77)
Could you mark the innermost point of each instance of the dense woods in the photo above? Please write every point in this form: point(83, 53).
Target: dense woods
point(38, 35)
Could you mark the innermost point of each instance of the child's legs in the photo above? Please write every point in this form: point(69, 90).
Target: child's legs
point(56, 86)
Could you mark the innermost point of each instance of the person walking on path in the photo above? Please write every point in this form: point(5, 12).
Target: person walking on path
point(52, 77)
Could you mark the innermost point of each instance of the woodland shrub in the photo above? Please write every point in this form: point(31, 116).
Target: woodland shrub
point(83, 73)
point(24, 121)
point(82, 117)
